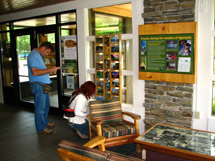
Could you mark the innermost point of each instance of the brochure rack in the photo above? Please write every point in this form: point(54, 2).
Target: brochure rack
point(108, 66)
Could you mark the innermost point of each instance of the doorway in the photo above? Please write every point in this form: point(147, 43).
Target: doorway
point(23, 49)
point(25, 40)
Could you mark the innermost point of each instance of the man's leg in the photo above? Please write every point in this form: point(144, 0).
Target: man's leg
point(47, 107)
point(39, 106)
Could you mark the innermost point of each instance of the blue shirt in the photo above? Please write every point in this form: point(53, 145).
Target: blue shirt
point(35, 60)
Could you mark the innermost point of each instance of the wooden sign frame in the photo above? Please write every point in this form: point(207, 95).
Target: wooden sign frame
point(171, 28)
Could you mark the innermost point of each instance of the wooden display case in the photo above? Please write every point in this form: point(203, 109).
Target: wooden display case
point(108, 66)
point(175, 141)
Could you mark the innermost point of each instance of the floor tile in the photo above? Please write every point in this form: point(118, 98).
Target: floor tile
point(18, 135)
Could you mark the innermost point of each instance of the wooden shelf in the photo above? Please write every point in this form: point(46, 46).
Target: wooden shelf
point(104, 61)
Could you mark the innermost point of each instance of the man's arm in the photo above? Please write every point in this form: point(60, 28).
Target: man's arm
point(38, 72)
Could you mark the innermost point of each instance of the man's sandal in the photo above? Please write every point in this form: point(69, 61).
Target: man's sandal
point(45, 131)
point(50, 124)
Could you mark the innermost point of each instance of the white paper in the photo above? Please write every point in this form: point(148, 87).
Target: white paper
point(70, 47)
point(184, 64)
point(70, 82)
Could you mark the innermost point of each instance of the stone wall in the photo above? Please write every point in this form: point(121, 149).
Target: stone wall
point(168, 102)
point(166, 11)
point(165, 101)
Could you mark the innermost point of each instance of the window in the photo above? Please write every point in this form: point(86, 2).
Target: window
point(68, 24)
point(35, 22)
point(127, 89)
point(106, 21)
point(127, 58)
point(7, 59)
point(5, 27)
point(67, 30)
point(68, 17)
point(213, 96)
point(110, 20)
point(213, 103)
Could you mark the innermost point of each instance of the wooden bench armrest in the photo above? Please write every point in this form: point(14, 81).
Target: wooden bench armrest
point(99, 140)
point(132, 115)
point(66, 155)
point(90, 119)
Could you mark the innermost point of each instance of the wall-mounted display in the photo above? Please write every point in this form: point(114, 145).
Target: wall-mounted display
point(69, 56)
point(108, 66)
point(169, 53)
point(68, 63)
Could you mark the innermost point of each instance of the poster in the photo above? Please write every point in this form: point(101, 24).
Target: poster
point(69, 47)
point(68, 51)
point(70, 66)
point(169, 53)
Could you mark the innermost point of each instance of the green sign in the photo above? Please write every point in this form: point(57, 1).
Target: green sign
point(172, 53)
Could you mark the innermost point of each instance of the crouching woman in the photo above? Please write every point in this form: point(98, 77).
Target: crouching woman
point(79, 103)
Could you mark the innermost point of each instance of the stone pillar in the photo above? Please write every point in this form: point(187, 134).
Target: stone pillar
point(168, 102)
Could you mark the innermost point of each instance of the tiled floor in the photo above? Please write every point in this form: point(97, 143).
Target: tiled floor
point(20, 142)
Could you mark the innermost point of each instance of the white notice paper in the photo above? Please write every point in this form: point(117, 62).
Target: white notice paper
point(70, 82)
point(184, 64)
point(70, 48)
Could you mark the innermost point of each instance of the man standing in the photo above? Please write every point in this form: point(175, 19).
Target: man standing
point(38, 76)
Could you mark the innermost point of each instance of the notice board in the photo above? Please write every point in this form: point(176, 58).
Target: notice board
point(167, 52)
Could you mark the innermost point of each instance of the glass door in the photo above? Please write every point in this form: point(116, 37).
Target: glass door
point(43, 35)
point(8, 72)
point(23, 49)
point(25, 41)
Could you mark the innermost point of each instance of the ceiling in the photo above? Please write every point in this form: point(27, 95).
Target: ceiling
point(123, 10)
point(12, 6)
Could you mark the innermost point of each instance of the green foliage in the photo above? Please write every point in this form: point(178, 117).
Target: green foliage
point(64, 32)
point(23, 44)
point(51, 37)
point(213, 107)
point(107, 26)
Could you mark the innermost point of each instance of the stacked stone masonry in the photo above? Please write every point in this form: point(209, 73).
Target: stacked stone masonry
point(166, 11)
point(168, 102)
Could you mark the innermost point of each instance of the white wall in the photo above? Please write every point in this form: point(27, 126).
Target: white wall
point(82, 33)
point(138, 85)
point(203, 87)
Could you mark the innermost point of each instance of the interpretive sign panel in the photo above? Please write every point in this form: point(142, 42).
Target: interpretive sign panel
point(167, 53)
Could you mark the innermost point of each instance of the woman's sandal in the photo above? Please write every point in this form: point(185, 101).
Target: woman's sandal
point(45, 131)
point(50, 124)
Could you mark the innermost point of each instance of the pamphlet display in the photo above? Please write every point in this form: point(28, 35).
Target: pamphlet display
point(108, 66)
point(69, 60)
point(68, 48)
